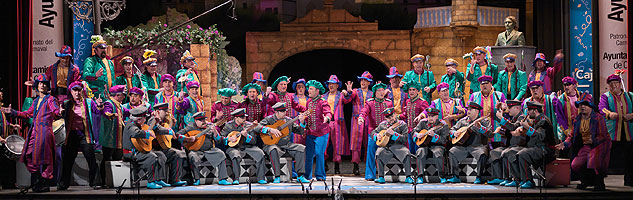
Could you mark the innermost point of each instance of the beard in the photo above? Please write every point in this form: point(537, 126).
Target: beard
point(102, 54)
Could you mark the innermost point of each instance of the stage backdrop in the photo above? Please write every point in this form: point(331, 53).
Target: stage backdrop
point(48, 34)
point(613, 40)
point(580, 56)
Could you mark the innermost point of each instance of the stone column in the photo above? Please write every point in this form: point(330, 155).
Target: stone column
point(207, 72)
point(464, 18)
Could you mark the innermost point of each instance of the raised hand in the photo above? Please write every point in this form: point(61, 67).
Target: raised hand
point(427, 89)
point(99, 73)
point(361, 121)
point(6, 110)
point(349, 85)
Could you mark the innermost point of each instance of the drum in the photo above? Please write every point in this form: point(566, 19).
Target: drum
point(13, 147)
point(59, 129)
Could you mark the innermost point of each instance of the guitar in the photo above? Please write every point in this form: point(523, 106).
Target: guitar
point(238, 134)
point(383, 137)
point(142, 144)
point(426, 139)
point(282, 126)
point(164, 140)
point(200, 136)
point(463, 133)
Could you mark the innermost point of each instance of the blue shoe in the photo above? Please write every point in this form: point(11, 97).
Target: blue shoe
point(223, 182)
point(408, 180)
point(455, 179)
point(196, 182)
point(153, 185)
point(179, 183)
point(528, 185)
point(478, 181)
point(302, 179)
point(420, 180)
point(511, 184)
point(380, 180)
point(162, 183)
point(277, 180)
point(236, 182)
point(504, 182)
point(443, 180)
point(495, 181)
point(262, 182)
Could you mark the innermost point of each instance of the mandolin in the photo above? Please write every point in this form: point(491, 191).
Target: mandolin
point(462, 133)
point(164, 140)
point(426, 139)
point(283, 127)
point(238, 134)
point(200, 136)
point(142, 144)
point(383, 137)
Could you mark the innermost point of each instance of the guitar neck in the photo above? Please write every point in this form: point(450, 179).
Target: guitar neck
point(293, 120)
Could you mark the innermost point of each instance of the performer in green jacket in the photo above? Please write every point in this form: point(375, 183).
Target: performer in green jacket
point(511, 81)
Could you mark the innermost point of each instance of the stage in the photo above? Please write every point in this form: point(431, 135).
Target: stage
point(351, 188)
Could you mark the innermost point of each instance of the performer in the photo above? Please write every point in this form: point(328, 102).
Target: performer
point(454, 78)
point(7, 180)
point(509, 116)
point(617, 107)
point(358, 97)
point(222, 109)
point(338, 135)
point(62, 73)
point(111, 128)
point(208, 150)
point(473, 145)
point(437, 130)
point(396, 130)
point(280, 94)
point(175, 158)
point(192, 104)
point(136, 100)
point(451, 109)
point(258, 78)
point(129, 78)
point(395, 92)
point(488, 98)
point(80, 134)
point(478, 67)
point(591, 146)
point(566, 112)
point(544, 73)
point(169, 96)
point(512, 82)
point(187, 73)
point(151, 77)
point(422, 76)
point(241, 125)
point(371, 117)
point(255, 107)
point(550, 102)
point(98, 70)
point(39, 148)
point(317, 130)
point(412, 110)
point(300, 96)
point(275, 151)
point(540, 144)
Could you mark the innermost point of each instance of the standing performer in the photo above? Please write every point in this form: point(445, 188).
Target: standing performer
point(358, 97)
point(191, 104)
point(39, 148)
point(488, 98)
point(111, 128)
point(208, 150)
point(283, 145)
point(422, 76)
point(509, 116)
point(437, 132)
point(136, 100)
point(175, 158)
point(475, 144)
point(188, 72)
point(591, 146)
point(512, 82)
point(255, 107)
point(454, 78)
point(451, 109)
point(149, 162)
point(169, 96)
point(98, 70)
point(395, 93)
point(617, 107)
point(478, 67)
point(151, 79)
point(317, 130)
point(412, 110)
point(62, 73)
point(567, 112)
point(544, 73)
point(371, 115)
point(129, 78)
point(258, 78)
point(338, 134)
point(7, 180)
point(280, 94)
point(300, 96)
point(249, 137)
point(80, 134)
point(396, 130)
point(550, 102)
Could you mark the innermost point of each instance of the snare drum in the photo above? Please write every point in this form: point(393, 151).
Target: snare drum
point(59, 129)
point(13, 147)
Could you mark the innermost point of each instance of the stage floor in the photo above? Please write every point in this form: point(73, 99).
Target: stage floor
point(351, 187)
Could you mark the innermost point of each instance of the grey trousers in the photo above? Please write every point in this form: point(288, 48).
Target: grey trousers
point(214, 156)
point(437, 152)
point(459, 153)
point(236, 157)
point(176, 159)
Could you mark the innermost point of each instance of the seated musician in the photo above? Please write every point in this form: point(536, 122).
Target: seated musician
point(166, 154)
point(214, 155)
point(510, 121)
point(247, 135)
point(437, 132)
point(478, 132)
point(148, 161)
point(275, 151)
point(396, 130)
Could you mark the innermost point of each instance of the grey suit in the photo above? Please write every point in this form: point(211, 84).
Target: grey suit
point(474, 145)
point(436, 146)
point(396, 147)
point(248, 147)
point(214, 156)
point(274, 152)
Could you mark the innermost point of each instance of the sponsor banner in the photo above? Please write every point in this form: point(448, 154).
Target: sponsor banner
point(580, 22)
point(614, 48)
point(48, 34)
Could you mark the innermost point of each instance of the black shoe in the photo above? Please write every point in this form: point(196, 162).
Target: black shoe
point(96, 187)
point(62, 187)
point(41, 189)
point(356, 170)
point(582, 186)
point(599, 184)
point(336, 168)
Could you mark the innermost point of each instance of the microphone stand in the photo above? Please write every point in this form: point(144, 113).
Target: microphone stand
point(415, 178)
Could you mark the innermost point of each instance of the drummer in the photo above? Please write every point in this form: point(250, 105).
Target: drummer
point(7, 180)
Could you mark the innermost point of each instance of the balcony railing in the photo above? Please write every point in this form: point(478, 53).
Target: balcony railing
point(441, 16)
point(494, 16)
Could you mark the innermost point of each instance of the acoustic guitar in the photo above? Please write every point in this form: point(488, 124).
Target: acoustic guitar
point(463, 133)
point(426, 139)
point(282, 126)
point(163, 141)
point(142, 144)
point(200, 136)
point(238, 134)
point(383, 137)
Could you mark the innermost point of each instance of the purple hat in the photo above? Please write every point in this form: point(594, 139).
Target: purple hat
point(135, 90)
point(76, 84)
point(535, 84)
point(393, 72)
point(540, 56)
point(193, 84)
point(117, 89)
point(442, 86)
point(613, 77)
point(66, 51)
point(41, 78)
point(300, 81)
point(167, 77)
point(258, 76)
point(334, 79)
point(367, 76)
point(484, 78)
point(569, 80)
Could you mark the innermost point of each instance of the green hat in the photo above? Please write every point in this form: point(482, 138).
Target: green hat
point(411, 84)
point(280, 79)
point(227, 92)
point(317, 85)
point(249, 86)
point(376, 87)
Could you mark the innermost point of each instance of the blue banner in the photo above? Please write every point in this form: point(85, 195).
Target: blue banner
point(581, 48)
point(82, 31)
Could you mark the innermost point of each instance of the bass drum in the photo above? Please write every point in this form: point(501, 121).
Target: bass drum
point(59, 129)
point(13, 147)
